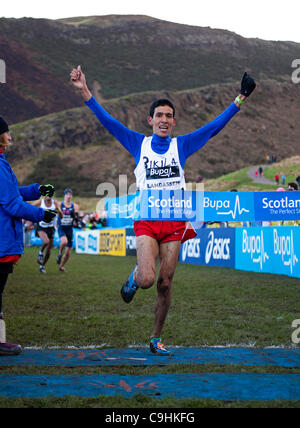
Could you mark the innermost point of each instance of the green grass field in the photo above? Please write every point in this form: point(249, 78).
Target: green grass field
point(210, 306)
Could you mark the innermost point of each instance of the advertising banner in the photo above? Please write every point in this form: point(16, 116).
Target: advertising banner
point(121, 211)
point(81, 242)
point(180, 205)
point(93, 240)
point(130, 242)
point(113, 242)
point(269, 249)
point(277, 205)
point(211, 247)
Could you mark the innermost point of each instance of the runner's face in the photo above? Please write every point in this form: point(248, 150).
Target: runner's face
point(48, 201)
point(68, 197)
point(162, 121)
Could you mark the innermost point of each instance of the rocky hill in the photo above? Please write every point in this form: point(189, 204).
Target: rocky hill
point(71, 148)
point(123, 55)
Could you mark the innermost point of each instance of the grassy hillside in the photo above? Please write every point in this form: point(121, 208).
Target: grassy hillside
point(123, 54)
point(71, 148)
point(290, 167)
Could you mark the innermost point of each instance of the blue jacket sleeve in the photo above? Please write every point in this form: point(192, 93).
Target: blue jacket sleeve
point(11, 199)
point(190, 143)
point(19, 209)
point(30, 193)
point(131, 140)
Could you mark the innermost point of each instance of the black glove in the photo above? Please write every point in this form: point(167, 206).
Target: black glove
point(248, 85)
point(47, 190)
point(49, 215)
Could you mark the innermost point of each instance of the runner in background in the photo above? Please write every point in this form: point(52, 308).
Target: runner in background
point(69, 213)
point(45, 231)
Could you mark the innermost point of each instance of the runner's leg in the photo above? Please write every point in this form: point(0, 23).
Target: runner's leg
point(48, 251)
point(62, 246)
point(147, 253)
point(45, 239)
point(66, 257)
point(169, 253)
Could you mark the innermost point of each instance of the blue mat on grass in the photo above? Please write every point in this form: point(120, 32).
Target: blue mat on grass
point(216, 386)
point(143, 357)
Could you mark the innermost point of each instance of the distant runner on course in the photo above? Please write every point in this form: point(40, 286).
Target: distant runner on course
point(68, 213)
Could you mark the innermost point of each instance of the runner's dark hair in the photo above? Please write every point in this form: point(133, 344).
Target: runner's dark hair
point(161, 102)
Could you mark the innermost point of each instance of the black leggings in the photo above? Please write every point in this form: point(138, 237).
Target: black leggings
point(5, 270)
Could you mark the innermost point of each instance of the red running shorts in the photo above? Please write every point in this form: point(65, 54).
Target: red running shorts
point(165, 231)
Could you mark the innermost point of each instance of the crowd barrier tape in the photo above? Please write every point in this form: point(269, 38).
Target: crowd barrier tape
point(194, 206)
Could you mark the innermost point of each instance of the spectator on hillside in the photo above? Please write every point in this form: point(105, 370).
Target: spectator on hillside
point(199, 179)
point(276, 178)
point(293, 186)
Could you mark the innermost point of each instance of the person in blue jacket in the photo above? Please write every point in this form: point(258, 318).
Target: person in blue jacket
point(14, 208)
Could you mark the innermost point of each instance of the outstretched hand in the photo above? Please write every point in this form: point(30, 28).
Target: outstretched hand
point(248, 85)
point(79, 81)
point(78, 78)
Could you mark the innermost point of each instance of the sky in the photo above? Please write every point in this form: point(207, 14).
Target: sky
point(265, 19)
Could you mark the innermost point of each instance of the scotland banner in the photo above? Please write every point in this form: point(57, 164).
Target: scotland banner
point(277, 205)
point(180, 205)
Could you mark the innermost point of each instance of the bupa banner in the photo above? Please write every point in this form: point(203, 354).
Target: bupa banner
point(195, 206)
point(228, 206)
point(81, 242)
point(93, 239)
point(87, 242)
point(211, 247)
point(121, 211)
point(269, 249)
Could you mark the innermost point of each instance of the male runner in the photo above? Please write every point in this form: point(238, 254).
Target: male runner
point(69, 212)
point(159, 239)
point(45, 231)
